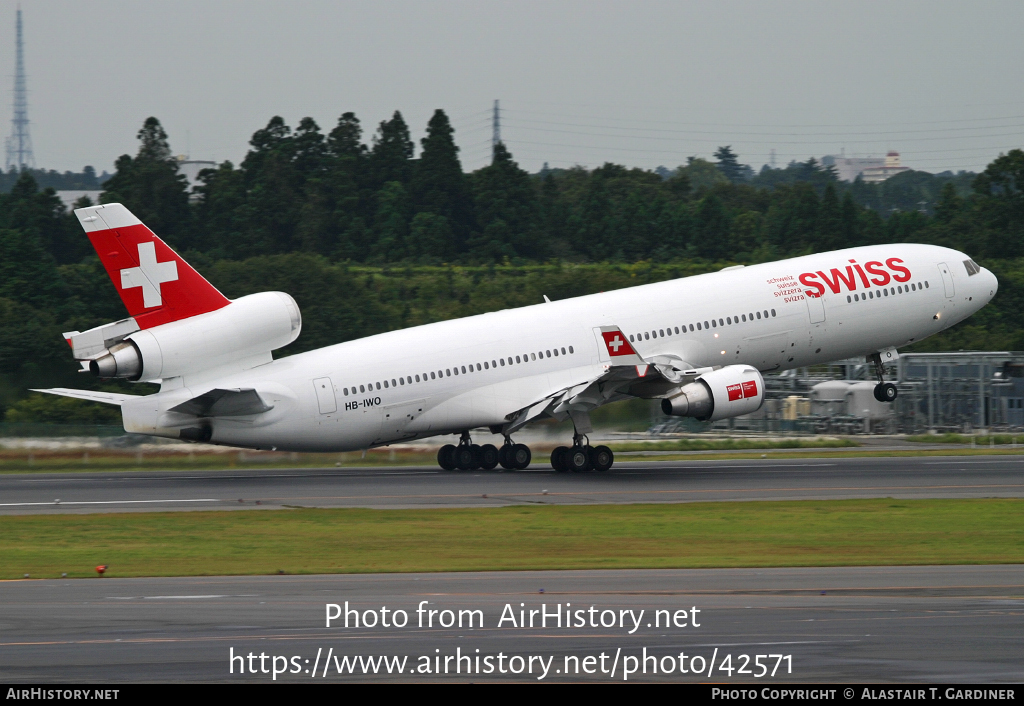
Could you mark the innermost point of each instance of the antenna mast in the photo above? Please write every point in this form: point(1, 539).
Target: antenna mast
point(495, 129)
point(19, 144)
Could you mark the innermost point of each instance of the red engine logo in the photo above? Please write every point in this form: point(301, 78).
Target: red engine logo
point(742, 390)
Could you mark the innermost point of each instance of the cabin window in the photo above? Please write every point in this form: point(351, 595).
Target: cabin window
point(385, 384)
point(745, 316)
point(631, 338)
point(766, 313)
point(571, 351)
point(773, 312)
point(913, 287)
point(698, 326)
point(706, 325)
point(533, 356)
point(401, 381)
point(926, 285)
point(714, 323)
point(759, 314)
point(517, 359)
point(378, 385)
point(502, 361)
point(487, 366)
point(549, 354)
point(556, 352)
point(885, 292)
point(362, 389)
point(728, 320)
point(661, 333)
point(848, 300)
point(647, 336)
point(346, 392)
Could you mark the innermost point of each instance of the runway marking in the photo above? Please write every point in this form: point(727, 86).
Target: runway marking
point(640, 492)
point(232, 477)
point(113, 502)
point(175, 598)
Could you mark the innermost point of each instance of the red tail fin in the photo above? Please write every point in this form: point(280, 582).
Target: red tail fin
point(155, 284)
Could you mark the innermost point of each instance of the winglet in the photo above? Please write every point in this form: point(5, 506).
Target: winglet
point(156, 285)
point(620, 351)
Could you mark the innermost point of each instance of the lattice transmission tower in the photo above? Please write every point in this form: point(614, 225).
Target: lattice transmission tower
point(19, 144)
point(495, 129)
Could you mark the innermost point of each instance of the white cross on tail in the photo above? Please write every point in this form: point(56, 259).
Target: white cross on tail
point(149, 275)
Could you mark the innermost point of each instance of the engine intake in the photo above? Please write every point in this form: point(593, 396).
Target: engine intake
point(720, 394)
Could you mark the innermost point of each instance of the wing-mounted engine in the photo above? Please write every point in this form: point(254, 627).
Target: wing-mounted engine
point(718, 394)
point(242, 334)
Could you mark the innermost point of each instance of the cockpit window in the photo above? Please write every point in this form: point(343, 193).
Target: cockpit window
point(972, 267)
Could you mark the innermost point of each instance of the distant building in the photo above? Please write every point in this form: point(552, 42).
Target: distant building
point(191, 168)
point(891, 168)
point(870, 169)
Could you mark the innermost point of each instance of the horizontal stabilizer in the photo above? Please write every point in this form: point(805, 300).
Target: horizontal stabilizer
point(224, 403)
point(90, 395)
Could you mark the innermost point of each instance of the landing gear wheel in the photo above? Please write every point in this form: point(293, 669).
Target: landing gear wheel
point(558, 459)
point(446, 457)
point(601, 458)
point(464, 458)
point(885, 392)
point(477, 456)
point(578, 459)
point(505, 457)
point(520, 456)
point(488, 457)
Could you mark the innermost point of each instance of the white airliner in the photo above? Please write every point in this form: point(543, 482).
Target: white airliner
point(697, 343)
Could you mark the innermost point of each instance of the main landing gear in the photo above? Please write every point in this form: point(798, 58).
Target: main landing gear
point(468, 456)
point(581, 457)
point(884, 391)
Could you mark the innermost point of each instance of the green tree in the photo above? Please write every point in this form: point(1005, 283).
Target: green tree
point(729, 164)
point(438, 184)
point(151, 187)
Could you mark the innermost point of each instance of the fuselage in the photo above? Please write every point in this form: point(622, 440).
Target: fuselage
point(451, 376)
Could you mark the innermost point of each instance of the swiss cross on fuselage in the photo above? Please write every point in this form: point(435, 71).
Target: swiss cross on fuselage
point(149, 275)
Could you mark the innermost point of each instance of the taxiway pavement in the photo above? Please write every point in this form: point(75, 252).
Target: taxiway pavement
point(898, 624)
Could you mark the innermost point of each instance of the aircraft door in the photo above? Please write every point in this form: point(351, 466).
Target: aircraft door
point(947, 280)
point(815, 307)
point(325, 395)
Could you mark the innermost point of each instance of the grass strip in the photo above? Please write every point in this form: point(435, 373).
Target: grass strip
point(720, 534)
point(980, 440)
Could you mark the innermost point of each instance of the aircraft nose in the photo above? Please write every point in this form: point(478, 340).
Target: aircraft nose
point(991, 284)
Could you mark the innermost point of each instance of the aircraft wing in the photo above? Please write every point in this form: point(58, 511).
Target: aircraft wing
point(90, 395)
point(626, 375)
point(224, 403)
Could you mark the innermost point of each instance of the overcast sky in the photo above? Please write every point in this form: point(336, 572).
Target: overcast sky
point(638, 83)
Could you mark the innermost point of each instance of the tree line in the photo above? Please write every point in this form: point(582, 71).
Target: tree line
point(370, 238)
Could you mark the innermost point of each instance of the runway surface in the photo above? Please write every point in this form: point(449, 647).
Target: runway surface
point(627, 482)
point(892, 624)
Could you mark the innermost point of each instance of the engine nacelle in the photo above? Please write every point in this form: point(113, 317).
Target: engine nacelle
point(246, 328)
point(720, 394)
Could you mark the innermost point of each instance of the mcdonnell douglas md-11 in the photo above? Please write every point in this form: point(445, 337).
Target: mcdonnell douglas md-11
point(699, 344)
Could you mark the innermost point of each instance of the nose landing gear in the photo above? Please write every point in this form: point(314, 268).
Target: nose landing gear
point(884, 391)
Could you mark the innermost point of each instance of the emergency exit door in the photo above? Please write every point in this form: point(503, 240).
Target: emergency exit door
point(325, 395)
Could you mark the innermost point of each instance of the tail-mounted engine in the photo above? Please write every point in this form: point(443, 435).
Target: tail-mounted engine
point(242, 333)
point(719, 394)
